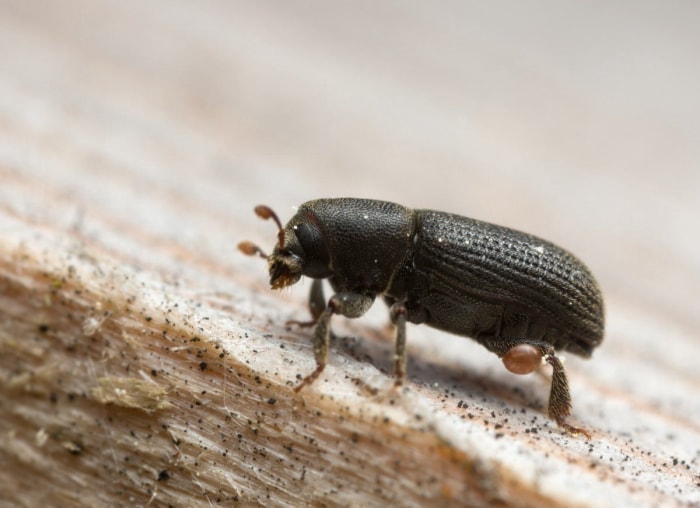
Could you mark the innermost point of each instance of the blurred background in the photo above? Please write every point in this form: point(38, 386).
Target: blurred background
point(152, 128)
point(579, 121)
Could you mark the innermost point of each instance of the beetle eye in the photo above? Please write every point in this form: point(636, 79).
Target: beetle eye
point(522, 359)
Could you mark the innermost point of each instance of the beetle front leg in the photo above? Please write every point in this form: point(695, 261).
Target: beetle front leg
point(352, 305)
point(317, 303)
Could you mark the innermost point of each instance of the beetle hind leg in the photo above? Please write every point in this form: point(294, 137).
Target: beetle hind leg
point(525, 356)
point(560, 397)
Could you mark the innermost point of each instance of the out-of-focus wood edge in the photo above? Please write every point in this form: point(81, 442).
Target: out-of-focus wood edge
point(119, 389)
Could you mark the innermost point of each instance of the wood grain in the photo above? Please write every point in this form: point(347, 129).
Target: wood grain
point(144, 361)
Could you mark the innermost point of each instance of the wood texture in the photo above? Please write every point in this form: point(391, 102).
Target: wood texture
point(145, 362)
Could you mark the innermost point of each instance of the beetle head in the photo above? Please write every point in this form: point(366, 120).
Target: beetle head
point(285, 266)
point(300, 250)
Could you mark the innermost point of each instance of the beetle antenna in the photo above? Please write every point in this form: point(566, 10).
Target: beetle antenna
point(265, 212)
point(250, 249)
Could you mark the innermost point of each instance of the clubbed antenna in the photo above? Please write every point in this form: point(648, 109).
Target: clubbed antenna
point(250, 249)
point(265, 212)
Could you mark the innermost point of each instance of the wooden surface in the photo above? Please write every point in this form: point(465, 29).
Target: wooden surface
point(144, 361)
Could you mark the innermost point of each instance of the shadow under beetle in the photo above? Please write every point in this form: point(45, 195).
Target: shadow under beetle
point(521, 297)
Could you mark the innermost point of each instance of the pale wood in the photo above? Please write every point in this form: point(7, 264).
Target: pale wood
point(143, 361)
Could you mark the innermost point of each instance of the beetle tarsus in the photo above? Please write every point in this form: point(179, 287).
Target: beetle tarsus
point(310, 378)
point(570, 429)
point(300, 324)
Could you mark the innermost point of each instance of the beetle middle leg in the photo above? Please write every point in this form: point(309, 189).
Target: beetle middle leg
point(352, 305)
point(398, 317)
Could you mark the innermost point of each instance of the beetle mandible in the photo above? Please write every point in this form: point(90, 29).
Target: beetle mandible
point(521, 297)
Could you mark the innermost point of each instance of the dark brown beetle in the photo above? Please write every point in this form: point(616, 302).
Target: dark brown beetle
point(521, 297)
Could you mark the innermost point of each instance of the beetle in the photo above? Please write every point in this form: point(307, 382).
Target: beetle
point(520, 296)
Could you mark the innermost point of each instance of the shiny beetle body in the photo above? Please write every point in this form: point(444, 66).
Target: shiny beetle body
point(521, 297)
